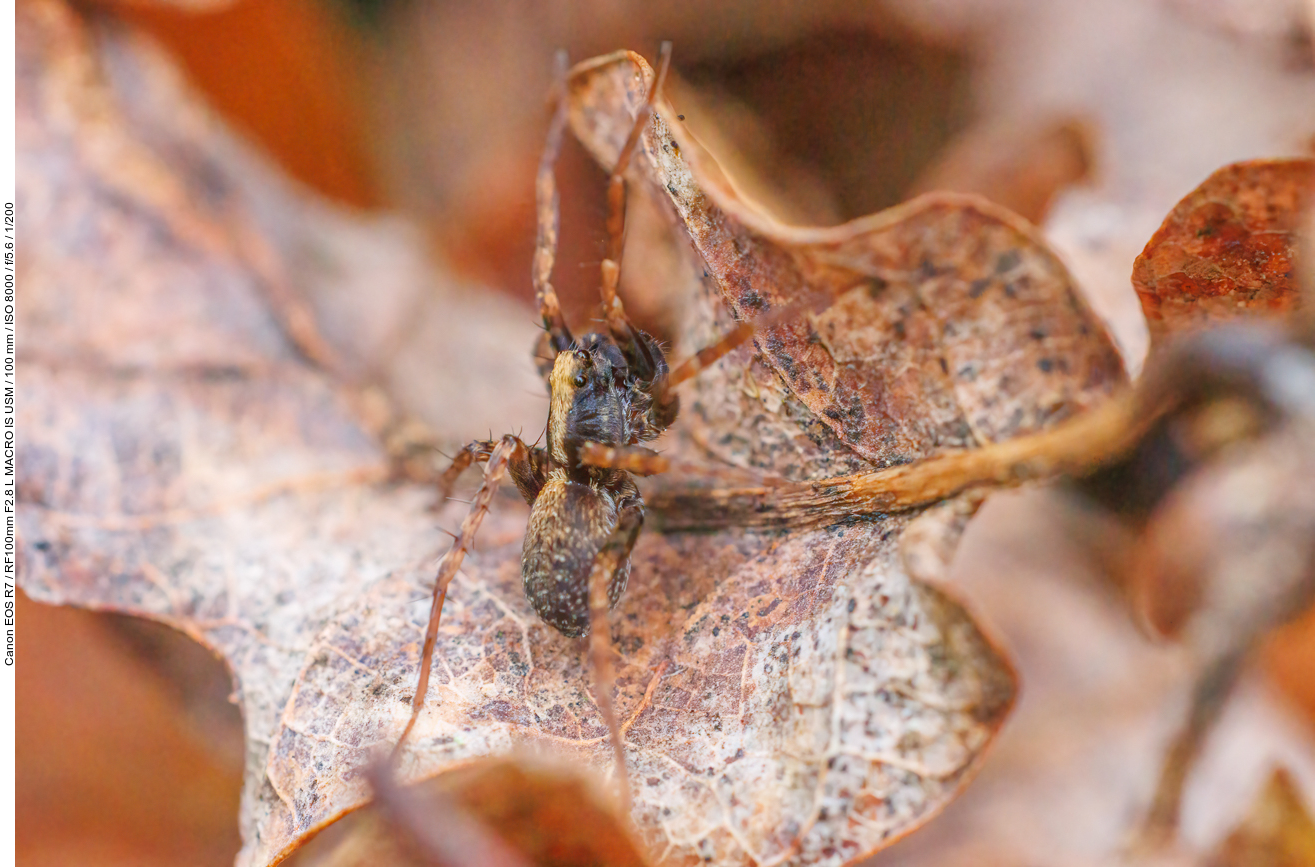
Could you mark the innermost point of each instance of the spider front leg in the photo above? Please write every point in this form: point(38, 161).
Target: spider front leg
point(658, 410)
point(508, 453)
point(633, 459)
point(714, 352)
point(529, 474)
point(613, 311)
point(557, 336)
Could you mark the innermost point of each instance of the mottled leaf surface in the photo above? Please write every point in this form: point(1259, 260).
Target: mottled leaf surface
point(953, 324)
point(786, 697)
point(1227, 249)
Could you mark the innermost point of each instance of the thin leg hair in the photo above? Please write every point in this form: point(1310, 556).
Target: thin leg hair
point(509, 448)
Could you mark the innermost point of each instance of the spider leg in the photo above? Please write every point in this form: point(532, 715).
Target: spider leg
point(613, 311)
point(478, 450)
point(529, 471)
point(558, 337)
point(633, 459)
point(509, 451)
point(661, 410)
point(613, 556)
point(696, 363)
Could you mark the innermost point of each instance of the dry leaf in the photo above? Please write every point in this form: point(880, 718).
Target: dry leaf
point(184, 463)
point(1227, 249)
point(786, 696)
point(1220, 485)
point(110, 769)
point(954, 325)
point(1278, 832)
point(1227, 254)
point(543, 810)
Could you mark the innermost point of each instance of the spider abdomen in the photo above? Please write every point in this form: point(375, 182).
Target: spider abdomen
point(570, 522)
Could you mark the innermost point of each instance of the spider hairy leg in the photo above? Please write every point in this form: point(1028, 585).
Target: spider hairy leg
point(478, 450)
point(633, 459)
point(708, 355)
point(549, 218)
point(509, 451)
point(613, 311)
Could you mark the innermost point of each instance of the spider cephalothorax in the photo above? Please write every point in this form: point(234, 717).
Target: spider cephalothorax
point(603, 394)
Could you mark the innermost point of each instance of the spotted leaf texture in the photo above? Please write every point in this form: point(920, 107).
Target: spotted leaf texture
point(786, 697)
point(1228, 249)
point(952, 324)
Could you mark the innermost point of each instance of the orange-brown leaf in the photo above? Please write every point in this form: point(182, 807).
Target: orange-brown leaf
point(1228, 249)
point(1278, 832)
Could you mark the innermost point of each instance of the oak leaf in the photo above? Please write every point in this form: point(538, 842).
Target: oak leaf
point(787, 696)
point(1226, 258)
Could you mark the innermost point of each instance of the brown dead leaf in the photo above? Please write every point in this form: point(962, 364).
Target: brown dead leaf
point(1227, 249)
point(1020, 165)
point(1219, 487)
point(784, 696)
point(110, 770)
point(545, 811)
point(183, 462)
point(953, 324)
point(1244, 512)
point(1279, 831)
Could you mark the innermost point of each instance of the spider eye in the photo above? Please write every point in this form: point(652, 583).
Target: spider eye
point(579, 380)
point(583, 357)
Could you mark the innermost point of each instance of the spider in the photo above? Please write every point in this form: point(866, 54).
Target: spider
point(610, 392)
